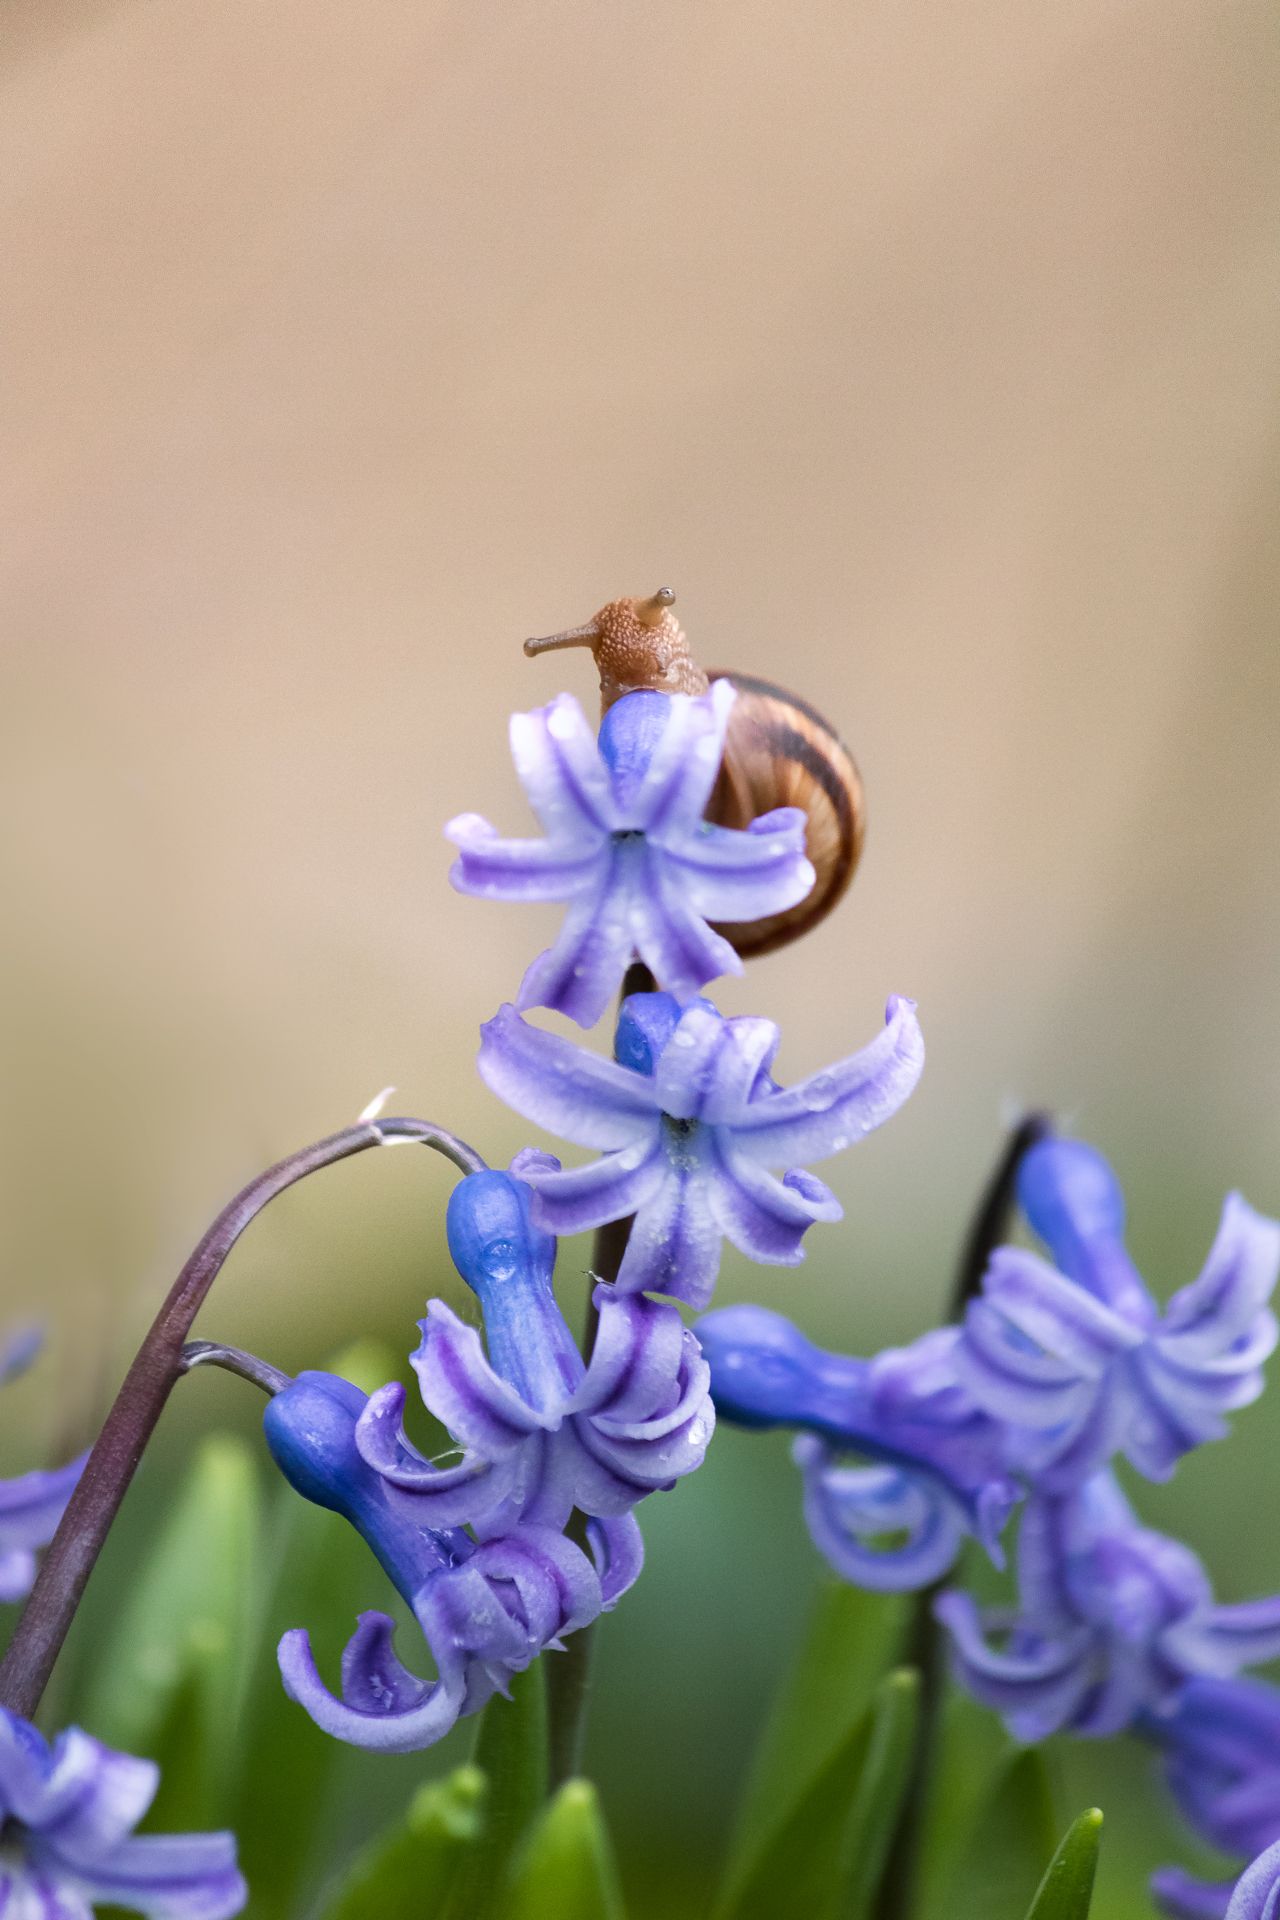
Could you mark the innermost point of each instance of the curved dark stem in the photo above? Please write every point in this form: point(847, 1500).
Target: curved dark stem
point(569, 1676)
point(158, 1365)
point(923, 1648)
point(258, 1372)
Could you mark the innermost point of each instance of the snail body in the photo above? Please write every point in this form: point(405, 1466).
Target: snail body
point(779, 751)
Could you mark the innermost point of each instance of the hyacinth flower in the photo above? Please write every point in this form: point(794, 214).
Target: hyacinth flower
point(690, 1124)
point(1112, 1620)
point(485, 1610)
point(939, 1477)
point(628, 849)
point(1078, 1358)
point(1221, 1745)
point(32, 1504)
point(540, 1432)
point(67, 1845)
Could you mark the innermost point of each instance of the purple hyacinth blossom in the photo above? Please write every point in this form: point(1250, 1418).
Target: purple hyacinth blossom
point(1257, 1894)
point(32, 1504)
point(938, 1475)
point(485, 1610)
point(628, 849)
point(67, 1842)
point(539, 1432)
point(1221, 1744)
point(1078, 1357)
point(1112, 1620)
point(690, 1124)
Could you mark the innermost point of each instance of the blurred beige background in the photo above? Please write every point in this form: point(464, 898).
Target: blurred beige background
point(930, 350)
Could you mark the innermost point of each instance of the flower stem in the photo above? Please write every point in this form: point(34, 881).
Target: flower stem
point(923, 1648)
point(156, 1368)
point(569, 1676)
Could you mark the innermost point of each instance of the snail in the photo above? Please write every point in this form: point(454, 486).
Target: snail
point(779, 751)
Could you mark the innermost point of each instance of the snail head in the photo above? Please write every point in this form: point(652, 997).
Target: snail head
point(636, 644)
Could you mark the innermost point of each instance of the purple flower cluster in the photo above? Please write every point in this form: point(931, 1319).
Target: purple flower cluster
point(67, 1845)
point(1061, 1366)
point(697, 1143)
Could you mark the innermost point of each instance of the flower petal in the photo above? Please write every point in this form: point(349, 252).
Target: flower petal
point(848, 1508)
point(827, 1111)
point(617, 1546)
point(389, 1710)
point(765, 1218)
point(729, 875)
point(571, 1199)
point(579, 975)
point(565, 780)
point(179, 1876)
point(1179, 1897)
point(683, 762)
point(1235, 1284)
point(680, 950)
point(493, 868)
point(710, 1065)
point(574, 1093)
point(459, 1386)
point(674, 1244)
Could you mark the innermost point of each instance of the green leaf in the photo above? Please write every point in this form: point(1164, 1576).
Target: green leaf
point(970, 1750)
point(1006, 1849)
point(176, 1659)
point(567, 1870)
point(511, 1751)
point(1067, 1888)
point(853, 1638)
point(825, 1858)
point(885, 1777)
point(414, 1870)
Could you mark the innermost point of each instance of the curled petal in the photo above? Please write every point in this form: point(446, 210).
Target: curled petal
point(442, 1496)
point(558, 1588)
point(576, 1094)
point(1228, 1637)
point(766, 1218)
point(849, 1508)
point(829, 1110)
point(462, 1390)
point(384, 1707)
point(1014, 1381)
point(617, 1547)
point(1037, 1686)
point(637, 1358)
point(1057, 1315)
point(710, 1066)
point(1220, 1308)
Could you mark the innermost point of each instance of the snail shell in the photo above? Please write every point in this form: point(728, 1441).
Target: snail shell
point(779, 752)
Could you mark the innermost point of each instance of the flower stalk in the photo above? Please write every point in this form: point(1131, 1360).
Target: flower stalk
point(156, 1369)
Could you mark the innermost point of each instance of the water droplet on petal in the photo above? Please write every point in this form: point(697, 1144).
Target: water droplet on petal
point(821, 1093)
